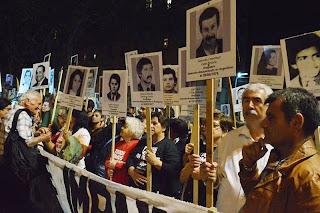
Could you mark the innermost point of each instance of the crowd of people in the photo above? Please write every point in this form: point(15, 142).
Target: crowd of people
point(270, 164)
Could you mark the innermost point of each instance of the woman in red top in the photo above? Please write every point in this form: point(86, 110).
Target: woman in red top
point(130, 134)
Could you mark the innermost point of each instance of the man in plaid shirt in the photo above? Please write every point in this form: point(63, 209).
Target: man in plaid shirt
point(30, 100)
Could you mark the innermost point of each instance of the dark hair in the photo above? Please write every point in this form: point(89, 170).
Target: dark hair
point(168, 71)
point(265, 57)
point(226, 123)
point(141, 63)
point(81, 120)
point(163, 120)
point(297, 44)
point(4, 103)
point(90, 104)
point(179, 127)
point(44, 69)
point(207, 14)
point(117, 78)
point(92, 71)
point(27, 71)
point(141, 118)
point(73, 75)
point(298, 100)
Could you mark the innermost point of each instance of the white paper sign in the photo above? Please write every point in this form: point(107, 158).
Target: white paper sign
point(267, 66)
point(145, 83)
point(114, 93)
point(211, 40)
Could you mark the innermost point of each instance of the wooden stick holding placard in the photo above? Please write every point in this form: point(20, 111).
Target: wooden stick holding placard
point(56, 99)
point(231, 103)
point(40, 112)
point(210, 106)
point(69, 116)
point(195, 139)
point(317, 139)
point(168, 114)
point(149, 147)
point(113, 143)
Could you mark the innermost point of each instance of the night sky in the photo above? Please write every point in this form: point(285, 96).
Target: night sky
point(109, 28)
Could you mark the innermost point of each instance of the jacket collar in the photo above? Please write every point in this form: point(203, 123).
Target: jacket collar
point(306, 151)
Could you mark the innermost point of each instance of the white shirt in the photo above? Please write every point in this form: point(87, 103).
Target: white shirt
point(231, 196)
point(83, 136)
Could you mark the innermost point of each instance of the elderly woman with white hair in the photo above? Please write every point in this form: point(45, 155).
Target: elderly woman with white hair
point(131, 133)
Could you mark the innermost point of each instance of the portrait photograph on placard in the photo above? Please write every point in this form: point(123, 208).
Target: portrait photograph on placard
point(114, 92)
point(75, 81)
point(225, 109)
point(170, 84)
point(25, 80)
point(193, 92)
point(267, 66)
point(145, 74)
point(9, 80)
point(301, 60)
point(211, 43)
point(47, 57)
point(92, 79)
point(40, 76)
point(75, 87)
point(237, 97)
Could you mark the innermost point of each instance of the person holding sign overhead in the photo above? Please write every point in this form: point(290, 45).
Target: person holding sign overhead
point(75, 83)
point(145, 71)
point(114, 85)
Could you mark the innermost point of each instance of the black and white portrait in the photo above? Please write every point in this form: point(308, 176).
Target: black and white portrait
point(145, 72)
point(92, 78)
point(40, 76)
point(76, 81)
point(209, 23)
point(170, 80)
point(302, 60)
point(114, 86)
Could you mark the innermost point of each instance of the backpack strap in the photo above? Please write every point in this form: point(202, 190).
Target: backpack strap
point(16, 117)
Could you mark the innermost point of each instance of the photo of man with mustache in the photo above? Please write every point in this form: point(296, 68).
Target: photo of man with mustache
point(209, 23)
point(145, 72)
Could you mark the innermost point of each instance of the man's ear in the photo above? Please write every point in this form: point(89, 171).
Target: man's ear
point(297, 122)
point(294, 66)
point(139, 76)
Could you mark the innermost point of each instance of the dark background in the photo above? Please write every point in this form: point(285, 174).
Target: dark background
point(109, 28)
